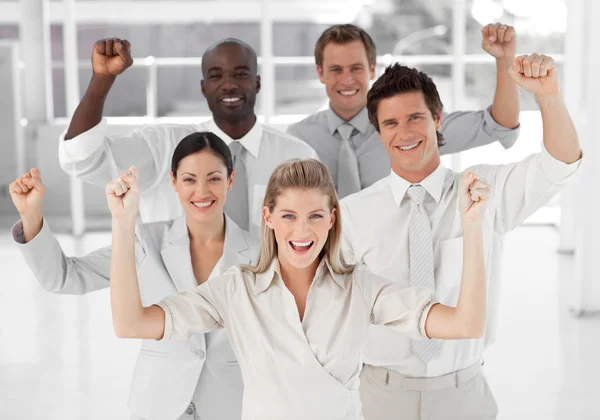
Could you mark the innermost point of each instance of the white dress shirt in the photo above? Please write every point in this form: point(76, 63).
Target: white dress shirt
point(97, 158)
point(375, 234)
point(292, 369)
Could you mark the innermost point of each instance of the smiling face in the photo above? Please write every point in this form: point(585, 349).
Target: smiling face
point(202, 185)
point(409, 133)
point(346, 73)
point(301, 220)
point(230, 82)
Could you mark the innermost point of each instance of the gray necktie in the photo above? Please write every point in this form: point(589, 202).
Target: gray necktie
point(236, 206)
point(348, 177)
point(421, 262)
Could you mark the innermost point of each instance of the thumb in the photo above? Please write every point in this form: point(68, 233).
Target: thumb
point(35, 180)
point(467, 179)
point(123, 52)
point(132, 178)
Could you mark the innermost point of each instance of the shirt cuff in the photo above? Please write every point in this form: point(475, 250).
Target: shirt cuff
point(505, 136)
point(168, 320)
point(19, 236)
point(556, 171)
point(423, 319)
point(82, 146)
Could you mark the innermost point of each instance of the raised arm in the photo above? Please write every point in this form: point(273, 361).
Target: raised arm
point(537, 74)
point(176, 316)
point(110, 57)
point(55, 272)
point(467, 319)
point(465, 130)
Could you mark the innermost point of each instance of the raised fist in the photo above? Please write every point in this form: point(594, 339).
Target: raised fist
point(111, 57)
point(27, 193)
point(536, 73)
point(499, 40)
point(123, 195)
point(474, 194)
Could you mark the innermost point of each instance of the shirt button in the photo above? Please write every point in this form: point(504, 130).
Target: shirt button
point(201, 354)
point(190, 410)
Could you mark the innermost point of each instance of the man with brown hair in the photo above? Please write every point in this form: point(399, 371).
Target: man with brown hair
point(349, 145)
point(407, 228)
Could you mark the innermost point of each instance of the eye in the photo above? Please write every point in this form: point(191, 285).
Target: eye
point(188, 180)
point(316, 216)
point(242, 74)
point(288, 216)
point(415, 117)
point(214, 76)
point(215, 179)
point(357, 68)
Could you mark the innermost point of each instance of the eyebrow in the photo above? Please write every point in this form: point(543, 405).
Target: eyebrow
point(349, 65)
point(189, 173)
point(214, 172)
point(235, 68)
point(292, 211)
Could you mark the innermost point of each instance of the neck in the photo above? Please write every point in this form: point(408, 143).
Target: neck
point(293, 276)
point(236, 129)
point(204, 233)
point(347, 115)
point(416, 176)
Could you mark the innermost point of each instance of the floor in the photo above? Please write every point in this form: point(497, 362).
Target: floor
point(59, 358)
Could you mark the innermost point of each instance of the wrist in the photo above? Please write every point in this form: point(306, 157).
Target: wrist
point(505, 62)
point(548, 99)
point(101, 83)
point(469, 224)
point(32, 218)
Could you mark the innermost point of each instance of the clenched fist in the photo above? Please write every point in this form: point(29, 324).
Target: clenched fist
point(473, 196)
point(27, 193)
point(498, 40)
point(111, 57)
point(123, 195)
point(536, 73)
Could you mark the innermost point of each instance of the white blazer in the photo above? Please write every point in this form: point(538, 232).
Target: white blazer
point(167, 372)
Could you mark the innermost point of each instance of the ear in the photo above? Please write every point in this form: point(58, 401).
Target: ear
point(203, 88)
point(333, 217)
point(438, 120)
point(230, 181)
point(321, 74)
point(267, 216)
point(257, 83)
point(173, 180)
point(372, 69)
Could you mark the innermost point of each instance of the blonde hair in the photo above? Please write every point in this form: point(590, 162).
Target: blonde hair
point(301, 174)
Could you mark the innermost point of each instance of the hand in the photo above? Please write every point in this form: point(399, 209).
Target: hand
point(536, 73)
point(123, 195)
point(499, 41)
point(111, 57)
point(27, 193)
point(474, 194)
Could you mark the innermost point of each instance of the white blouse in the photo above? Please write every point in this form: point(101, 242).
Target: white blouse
point(296, 369)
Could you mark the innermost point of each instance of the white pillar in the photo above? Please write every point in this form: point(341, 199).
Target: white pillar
point(72, 96)
point(459, 49)
point(267, 71)
point(587, 201)
point(34, 32)
point(573, 92)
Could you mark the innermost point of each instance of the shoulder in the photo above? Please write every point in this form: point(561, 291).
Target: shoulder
point(295, 146)
point(367, 196)
point(169, 130)
point(313, 119)
point(153, 234)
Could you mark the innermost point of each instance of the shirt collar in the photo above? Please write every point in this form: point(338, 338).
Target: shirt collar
point(251, 141)
point(263, 280)
point(433, 184)
point(360, 120)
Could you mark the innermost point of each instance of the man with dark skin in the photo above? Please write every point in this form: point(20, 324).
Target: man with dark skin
point(230, 84)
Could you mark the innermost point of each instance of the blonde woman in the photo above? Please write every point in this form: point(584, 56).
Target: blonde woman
point(298, 320)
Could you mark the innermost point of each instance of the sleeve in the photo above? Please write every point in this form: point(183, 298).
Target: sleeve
point(464, 130)
point(200, 310)
point(346, 247)
point(97, 158)
point(60, 274)
point(403, 309)
point(519, 189)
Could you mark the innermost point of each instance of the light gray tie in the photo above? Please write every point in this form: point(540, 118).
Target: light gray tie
point(421, 262)
point(236, 205)
point(348, 177)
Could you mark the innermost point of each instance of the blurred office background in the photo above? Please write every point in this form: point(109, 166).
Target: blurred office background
point(59, 358)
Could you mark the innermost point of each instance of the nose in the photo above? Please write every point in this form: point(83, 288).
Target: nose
point(404, 132)
point(348, 76)
point(229, 82)
point(302, 227)
point(202, 189)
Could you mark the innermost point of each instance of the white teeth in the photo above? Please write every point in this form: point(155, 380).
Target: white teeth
point(348, 92)
point(412, 146)
point(202, 204)
point(231, 99)
point(302, 243)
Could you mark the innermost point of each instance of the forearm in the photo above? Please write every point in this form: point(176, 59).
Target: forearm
point(506, 106)
point(130, 318)
point(32, 225)
point(560, 136)
point(470, 310)
point(89, 111)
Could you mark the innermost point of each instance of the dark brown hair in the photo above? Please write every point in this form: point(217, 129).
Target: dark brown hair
point(344, 34)
point(398, 79)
